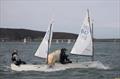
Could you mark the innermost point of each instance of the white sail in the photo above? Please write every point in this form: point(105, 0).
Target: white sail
point(43, 48)
point(83, 44)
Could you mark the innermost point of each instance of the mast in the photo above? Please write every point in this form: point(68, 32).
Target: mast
point(49, 42)
point(92, 43)
point(91, 31)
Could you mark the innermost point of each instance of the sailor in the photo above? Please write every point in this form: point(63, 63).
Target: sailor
point(63, 57)
point(15, 58)
point(58, 56)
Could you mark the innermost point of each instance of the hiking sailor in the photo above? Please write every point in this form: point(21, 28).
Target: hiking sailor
point(58, 56)
point(63, 57)
point(15, 58)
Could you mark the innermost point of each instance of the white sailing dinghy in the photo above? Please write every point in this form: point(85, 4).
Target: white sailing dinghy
point(82, 46)
point(42, 52)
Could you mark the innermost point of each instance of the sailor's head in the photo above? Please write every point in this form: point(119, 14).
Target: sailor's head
point(14, 52)
point(63, 50)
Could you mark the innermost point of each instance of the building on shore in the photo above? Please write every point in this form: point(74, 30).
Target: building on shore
point(63, 41)
point(4, 39)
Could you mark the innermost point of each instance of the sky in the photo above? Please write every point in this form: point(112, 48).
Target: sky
point(68, 15)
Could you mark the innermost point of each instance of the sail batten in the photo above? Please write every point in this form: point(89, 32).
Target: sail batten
point(83, 44)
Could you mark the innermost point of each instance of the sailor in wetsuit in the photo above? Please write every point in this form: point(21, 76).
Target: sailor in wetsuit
point(15, 58)
point(58, 56)
point(63, 57)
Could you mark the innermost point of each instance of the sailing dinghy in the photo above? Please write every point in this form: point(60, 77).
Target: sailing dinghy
point(83, 46)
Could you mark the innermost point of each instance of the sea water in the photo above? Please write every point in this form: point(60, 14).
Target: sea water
point(106, 52)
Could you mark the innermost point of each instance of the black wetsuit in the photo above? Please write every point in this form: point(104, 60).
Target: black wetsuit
point(64, 58)
point(16, 60)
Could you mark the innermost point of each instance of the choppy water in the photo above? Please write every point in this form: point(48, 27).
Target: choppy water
point(106, 52)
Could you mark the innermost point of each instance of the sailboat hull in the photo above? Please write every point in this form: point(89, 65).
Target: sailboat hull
point(58, 66)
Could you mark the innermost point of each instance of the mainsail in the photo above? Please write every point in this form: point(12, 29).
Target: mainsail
point(43, 49)
point(83, 44)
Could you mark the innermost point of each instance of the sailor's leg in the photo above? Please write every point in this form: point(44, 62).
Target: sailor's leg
point(23, 62)
point(17, 63)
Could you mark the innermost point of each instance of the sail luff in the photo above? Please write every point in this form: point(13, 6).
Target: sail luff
point(49, 41)
point(91, 32)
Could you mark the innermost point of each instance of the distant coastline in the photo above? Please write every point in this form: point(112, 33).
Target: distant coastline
point(8, 34)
